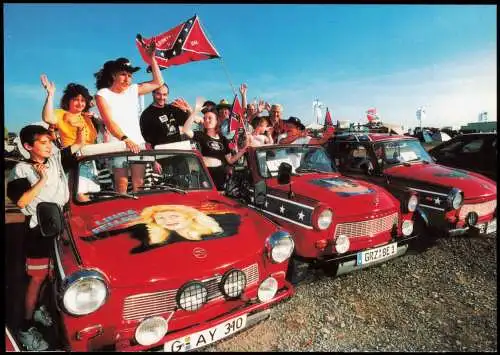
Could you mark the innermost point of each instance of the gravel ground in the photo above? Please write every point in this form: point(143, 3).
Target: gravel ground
point(443, 299)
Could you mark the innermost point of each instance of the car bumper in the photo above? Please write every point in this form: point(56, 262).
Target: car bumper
point(483, 228)
point(348, 262)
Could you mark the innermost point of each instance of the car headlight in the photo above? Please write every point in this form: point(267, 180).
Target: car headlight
point(233, 283)
point(324, 219)
point(407, 227)
point(84, 292)
point(471, 218)
point(267, 289)
point(455, 198)
point(412, 203)
point(151, 330)
point(192, 296)
point(280, 246)
point(342, 244)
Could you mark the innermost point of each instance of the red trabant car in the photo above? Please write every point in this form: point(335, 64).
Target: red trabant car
point(171, 267)
point(339, 223)
point(454, 201)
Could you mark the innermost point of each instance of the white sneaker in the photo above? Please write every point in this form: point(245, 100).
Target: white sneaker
point(42, 316)
point(33, 340)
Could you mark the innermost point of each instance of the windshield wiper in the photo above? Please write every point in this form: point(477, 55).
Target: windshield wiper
point(310, 170)
point(166, 187)
point(111, 193)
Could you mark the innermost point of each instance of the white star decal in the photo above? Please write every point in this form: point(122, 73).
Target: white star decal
point(301, 216)
point(173, 52)
point(266, 203)
point(437, 201)
point(282, 209)
point(180, 40)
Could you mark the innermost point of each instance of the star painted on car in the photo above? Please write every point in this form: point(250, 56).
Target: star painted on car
point(301, 216)
point(437, 201)
point(282, 209)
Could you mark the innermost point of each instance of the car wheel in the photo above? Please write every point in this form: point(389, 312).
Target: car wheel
point(297, 270)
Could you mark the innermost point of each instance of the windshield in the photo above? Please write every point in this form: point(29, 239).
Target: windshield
point(154, 172)
point(399, 152)
point(303, 159)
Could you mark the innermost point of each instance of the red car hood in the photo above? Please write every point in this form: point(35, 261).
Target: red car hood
point(472, 185)
point(177, 261)
point(354, 197)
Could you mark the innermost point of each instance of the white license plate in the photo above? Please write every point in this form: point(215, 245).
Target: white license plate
point(380, 253)
point(207, 336)
point(488, 227)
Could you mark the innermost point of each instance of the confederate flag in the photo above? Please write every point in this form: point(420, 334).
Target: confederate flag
point(328, 126)
point(235, 122)
point(182, 44)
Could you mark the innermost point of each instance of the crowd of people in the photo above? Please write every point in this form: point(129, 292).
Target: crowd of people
point(42, 178)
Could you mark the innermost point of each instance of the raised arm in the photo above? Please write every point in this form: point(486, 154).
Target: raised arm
point(243, 92)
point(48, 106)
point(149, 86)
point(231, 159)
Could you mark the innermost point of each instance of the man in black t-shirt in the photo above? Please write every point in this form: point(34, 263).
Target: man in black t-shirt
point(160, 121)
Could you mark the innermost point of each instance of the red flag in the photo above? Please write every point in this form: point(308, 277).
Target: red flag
point(235, 122)
point(371, 114)
point(328, 126)
point(182, 44)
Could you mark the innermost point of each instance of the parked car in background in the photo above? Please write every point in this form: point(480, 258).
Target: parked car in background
point(472, 151)
point(338, 223)
point(173, 267)
point(455, 201)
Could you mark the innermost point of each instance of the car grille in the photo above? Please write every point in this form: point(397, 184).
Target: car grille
point(144, 305)
point(366, 228)
point(482, 209)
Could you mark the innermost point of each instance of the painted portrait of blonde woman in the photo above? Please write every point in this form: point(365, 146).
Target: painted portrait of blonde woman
point(164, 224)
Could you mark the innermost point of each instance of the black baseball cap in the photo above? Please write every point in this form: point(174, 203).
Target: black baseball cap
point(296, 122)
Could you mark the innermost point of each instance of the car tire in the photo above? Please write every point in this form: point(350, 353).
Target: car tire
point(297, 270)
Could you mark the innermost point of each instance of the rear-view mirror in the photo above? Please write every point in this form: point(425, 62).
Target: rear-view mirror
point(50, 219)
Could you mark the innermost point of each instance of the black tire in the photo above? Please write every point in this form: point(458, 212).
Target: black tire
point(297, 270)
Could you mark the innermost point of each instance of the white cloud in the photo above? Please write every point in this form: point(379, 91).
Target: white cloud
point(453, 93)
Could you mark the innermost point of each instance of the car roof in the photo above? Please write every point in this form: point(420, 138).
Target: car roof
point(373, 137)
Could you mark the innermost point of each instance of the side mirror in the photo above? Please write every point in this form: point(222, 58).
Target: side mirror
point(50, 219)
point(259, 193)
point(368, 167)
point(284, 173)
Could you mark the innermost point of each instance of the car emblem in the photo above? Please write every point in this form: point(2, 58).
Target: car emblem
point(200, 253)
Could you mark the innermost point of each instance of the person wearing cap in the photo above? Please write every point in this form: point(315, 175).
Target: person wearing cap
point(295, 134)
point(160, 121)
point(117, 99)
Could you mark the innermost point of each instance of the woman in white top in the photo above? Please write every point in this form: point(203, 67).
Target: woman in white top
point(118, 102)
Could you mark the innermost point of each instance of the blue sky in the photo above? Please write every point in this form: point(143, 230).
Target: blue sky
point(350, 57)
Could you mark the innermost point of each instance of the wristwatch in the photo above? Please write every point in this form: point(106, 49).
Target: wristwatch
point(123, 138)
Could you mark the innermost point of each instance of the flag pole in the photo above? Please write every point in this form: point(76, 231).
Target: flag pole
point(222, 62)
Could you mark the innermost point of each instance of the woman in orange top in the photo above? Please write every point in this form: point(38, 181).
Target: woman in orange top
point(74, 112)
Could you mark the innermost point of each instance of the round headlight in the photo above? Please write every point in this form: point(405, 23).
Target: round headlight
point(342, 244)
point(233, 283)
point(281, 246)
point(151, 330)
point(325, 219)
point(407, 227)
point(471, 218)
point(84, 293)
point(455, 198)
point(192, 296)
point(412, 203)
point(267, 289)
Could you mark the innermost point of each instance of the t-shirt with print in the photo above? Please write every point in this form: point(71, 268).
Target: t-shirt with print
point(24, 176)
point(124, 109)
point(212, 147)
point(160, 125)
